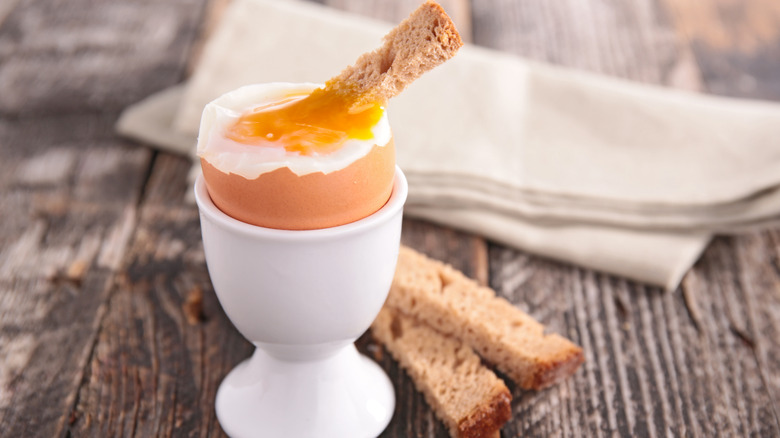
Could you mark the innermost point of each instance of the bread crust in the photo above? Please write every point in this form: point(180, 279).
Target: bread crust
point(455, 305)
point(467, 396)
point(422, 41)
point(487, 420)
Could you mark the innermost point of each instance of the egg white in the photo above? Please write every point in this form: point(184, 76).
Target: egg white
point(251, 161)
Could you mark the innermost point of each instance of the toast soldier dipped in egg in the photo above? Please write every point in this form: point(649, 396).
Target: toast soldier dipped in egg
point(297, 157)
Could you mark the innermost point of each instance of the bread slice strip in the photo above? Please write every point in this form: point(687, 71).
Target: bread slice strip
point(455, 305)
point(421, 42)
point(465, 395)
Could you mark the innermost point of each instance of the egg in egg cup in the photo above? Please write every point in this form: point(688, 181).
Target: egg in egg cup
point(302, 297)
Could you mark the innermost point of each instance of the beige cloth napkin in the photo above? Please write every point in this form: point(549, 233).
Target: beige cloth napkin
point(611, 175)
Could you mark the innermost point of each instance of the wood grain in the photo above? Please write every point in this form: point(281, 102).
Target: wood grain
point(630, 40)
point(108, 322)
point(70, 189)
point(62, 240)
point(6, 8)
point(648, 370)
point(156, 366)
point(90, 56)
point(735, 43)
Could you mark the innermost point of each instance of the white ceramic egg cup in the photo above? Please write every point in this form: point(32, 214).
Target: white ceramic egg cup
point(302, 298)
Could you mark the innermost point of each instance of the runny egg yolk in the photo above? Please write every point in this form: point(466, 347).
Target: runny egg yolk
point(319, 122)
point(285, 176)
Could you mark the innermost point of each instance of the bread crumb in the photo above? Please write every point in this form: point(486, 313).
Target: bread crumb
point(193, 306)
point(76, 271)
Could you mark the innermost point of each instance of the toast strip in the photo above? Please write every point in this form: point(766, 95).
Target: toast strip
point(465, 395)
point(421, 42)
point(455, 305)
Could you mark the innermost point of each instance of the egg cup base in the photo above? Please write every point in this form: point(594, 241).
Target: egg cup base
point(343, 395)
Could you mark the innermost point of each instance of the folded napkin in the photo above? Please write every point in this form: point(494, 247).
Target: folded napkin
point(624, 178)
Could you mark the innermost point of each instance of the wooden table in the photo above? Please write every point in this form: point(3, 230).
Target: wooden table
point(108, 322)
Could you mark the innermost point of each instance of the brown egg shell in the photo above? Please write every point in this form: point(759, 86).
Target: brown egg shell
point(283, 200)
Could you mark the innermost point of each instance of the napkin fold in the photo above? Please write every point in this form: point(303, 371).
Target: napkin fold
point(625, 178)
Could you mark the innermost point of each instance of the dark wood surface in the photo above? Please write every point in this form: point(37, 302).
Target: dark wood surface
point(108, 322)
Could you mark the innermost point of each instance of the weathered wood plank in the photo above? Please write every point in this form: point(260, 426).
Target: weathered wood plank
point(735, 44)
point(738, 47)
point(634, 40)
point(59, 240)
point(5, 9)
point(89, 56)
point(69, 188)
point(729, 376)
point(211, 18)
point(165, 344)
point(648, 371)
point(758, 274)
point(147, 350)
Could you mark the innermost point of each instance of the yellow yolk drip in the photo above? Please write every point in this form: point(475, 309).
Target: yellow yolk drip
point(318, 123)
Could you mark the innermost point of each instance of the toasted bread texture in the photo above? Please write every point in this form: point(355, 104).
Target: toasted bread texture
point(467, 396)
point(421, 42)
point(455, 305)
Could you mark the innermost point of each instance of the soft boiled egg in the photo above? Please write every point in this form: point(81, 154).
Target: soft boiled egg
point(272, 160)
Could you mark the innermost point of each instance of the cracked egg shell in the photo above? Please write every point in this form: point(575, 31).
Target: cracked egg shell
point(264, 187)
